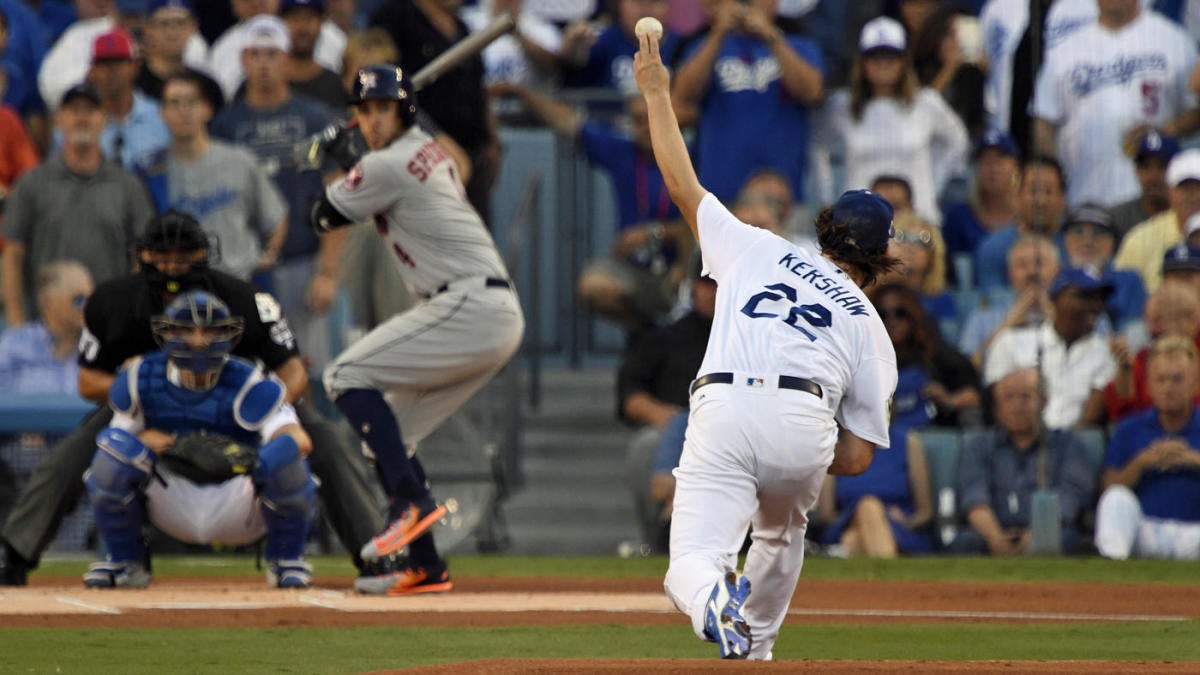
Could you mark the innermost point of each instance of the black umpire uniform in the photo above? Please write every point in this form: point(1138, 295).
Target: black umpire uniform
point(117, 327)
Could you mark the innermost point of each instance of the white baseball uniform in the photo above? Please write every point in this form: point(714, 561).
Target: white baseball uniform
point(433, 357)
point(756, 454)
point(1098, 84)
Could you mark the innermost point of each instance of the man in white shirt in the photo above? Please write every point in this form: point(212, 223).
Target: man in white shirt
point(1113, 78)
point(1076, 362)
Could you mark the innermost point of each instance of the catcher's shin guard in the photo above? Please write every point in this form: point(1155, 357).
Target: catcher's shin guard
point(119, 471)
point(287, 501)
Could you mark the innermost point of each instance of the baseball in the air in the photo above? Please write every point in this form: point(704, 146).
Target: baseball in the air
point(648, 24)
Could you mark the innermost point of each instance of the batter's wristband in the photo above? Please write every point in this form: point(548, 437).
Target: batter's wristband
point(274, 455)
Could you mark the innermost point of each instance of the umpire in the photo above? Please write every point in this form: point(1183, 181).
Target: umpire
point(174, 258)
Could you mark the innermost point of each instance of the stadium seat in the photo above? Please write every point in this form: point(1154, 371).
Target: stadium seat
point(942, 450)
point(1093, 441)
point(964, 270)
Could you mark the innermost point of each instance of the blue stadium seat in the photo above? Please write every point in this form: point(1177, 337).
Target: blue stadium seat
point(1094, 441)
point(943, 447)
point(964, 270)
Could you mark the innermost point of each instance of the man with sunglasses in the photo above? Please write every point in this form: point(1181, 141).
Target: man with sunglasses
point(38, 357)
point(174, 258)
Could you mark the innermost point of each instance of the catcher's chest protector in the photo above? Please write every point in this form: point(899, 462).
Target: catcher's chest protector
point(167, 406)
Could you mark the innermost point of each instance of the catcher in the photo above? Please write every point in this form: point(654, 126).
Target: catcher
point(204, 445)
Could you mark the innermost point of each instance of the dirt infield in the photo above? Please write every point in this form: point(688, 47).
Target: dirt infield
point(246, 602)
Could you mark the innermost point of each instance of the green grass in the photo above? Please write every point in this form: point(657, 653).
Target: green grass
point(344, 650)
point(1096, 570)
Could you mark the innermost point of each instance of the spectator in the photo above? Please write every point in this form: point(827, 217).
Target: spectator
point(1174, 309)
point(225, 58)
point(749, 81)
point(897, 190)
point(652, 392)
point(1076, 361)
point(22, 48)
point(999, 472)
point(993, 202)
point(563, 12)
point(134, 131)
point(18, 153)
point(949, 63)
point(1181, 264)
point(270, 121)
point(886, 123)
point(67, 63)
point(1150, 507)
point(456, 102)
point(605, 61)
point(633, 285)
point(937, 385)
point(364, 48)
point(1154, 151)
point(922, 254)
point(1083, 112)
point(1033, 263)
point(306, 76)
point(884, 511)
point(1041, 204)
point(766, 197)
point(1089, 240)
point(74, 206)
point(527, 56)
point(222, 185)
point(1143, 247)
point(168, 30)
point(39, 357)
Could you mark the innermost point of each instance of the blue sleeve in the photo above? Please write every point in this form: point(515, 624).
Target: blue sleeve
point(1126, 441)
point(599, 144)
point(809, 51)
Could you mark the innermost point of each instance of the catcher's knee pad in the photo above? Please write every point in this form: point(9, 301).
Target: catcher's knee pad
point(120, 467)
point(287, 500)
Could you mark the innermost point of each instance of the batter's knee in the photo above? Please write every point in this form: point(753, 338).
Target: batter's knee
point(120, 467)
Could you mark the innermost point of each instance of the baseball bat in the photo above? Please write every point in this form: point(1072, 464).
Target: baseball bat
point(462, 50)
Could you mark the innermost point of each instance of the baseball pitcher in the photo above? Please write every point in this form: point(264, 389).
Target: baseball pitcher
point(148, 464)
point(430, 359)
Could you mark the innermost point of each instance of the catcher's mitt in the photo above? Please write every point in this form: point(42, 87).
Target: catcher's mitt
point(206, 458)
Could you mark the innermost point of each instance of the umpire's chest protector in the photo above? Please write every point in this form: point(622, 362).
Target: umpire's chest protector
point(182, 411)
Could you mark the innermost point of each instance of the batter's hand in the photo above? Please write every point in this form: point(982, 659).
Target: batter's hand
point(321, 293)
point(652, 76)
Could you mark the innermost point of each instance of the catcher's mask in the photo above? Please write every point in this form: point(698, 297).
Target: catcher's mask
point(178, 234)
point(197, 331)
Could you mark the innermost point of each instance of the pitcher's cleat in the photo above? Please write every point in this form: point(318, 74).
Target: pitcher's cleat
point(412, 523)
point(723, 621)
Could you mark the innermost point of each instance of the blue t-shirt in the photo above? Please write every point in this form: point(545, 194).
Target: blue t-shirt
point(910, 408)
point(641, 193)
point(748, 121)
point(886, 478)
point(961, 229)
point(610, 64)
point(1175, 494)
point(271, 134)
point(1128, 300)
point(21, 60)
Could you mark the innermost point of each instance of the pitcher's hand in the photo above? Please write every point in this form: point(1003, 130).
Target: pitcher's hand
point(652, 76)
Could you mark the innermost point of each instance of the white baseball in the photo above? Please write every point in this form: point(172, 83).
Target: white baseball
point(648, 24)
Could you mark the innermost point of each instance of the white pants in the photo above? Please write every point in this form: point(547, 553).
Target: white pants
point(429, 360)
point(753, 457)
point(224, 513)
point(1122, 530)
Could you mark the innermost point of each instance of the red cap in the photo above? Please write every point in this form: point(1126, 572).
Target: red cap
point(115, 45)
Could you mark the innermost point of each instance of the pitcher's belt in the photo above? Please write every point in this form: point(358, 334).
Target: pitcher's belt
point(785, 382)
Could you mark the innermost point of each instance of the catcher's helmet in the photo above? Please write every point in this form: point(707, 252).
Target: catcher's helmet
point(197, 331)
point(387, 83)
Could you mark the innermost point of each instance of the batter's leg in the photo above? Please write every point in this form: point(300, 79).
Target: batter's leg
point(353, 511)
point(53, 488)
point(776, 556)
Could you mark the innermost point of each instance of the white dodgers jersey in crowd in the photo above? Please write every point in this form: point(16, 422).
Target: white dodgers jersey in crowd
point(1098, 84)
point(786, 310)
point(412, 192)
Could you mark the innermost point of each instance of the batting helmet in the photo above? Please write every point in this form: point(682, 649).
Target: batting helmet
point(386, 83)
point(202, 352)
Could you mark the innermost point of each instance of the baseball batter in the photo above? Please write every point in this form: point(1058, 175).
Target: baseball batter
point(194, 385)
point(430, 359)
point(795, 384)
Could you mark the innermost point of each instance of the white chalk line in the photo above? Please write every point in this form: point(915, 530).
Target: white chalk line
point(90, 606)
point(956, 614)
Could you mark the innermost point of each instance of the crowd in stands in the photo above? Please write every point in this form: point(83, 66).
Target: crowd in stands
point(1041, 158)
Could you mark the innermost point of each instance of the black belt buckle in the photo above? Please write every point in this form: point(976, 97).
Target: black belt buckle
point(785, 382)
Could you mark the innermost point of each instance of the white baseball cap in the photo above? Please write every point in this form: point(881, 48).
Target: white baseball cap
point(882, 33)
point(1192, 225)
point(266, 30)
point(1184, 166)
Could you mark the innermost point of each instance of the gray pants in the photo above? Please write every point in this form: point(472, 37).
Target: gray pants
point(56, 483)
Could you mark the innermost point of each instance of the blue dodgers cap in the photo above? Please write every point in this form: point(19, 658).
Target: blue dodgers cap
point(868, 217)
point(288, 5)
point(185, 5)
point(1081, 278)
point(997, 140)
point(1155, 144)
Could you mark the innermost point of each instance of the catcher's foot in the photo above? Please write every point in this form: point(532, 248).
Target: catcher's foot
point(407, 581)
point(109, 574)
point(289, 574)
point(723, 621)
point(412, 523)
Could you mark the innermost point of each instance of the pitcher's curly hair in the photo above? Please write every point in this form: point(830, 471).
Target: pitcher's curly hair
point(837, 242)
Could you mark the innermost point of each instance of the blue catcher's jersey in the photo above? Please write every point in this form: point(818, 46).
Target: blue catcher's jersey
point(235, 406)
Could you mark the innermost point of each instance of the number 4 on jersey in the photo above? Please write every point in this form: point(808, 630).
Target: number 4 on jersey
point(814, 315)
